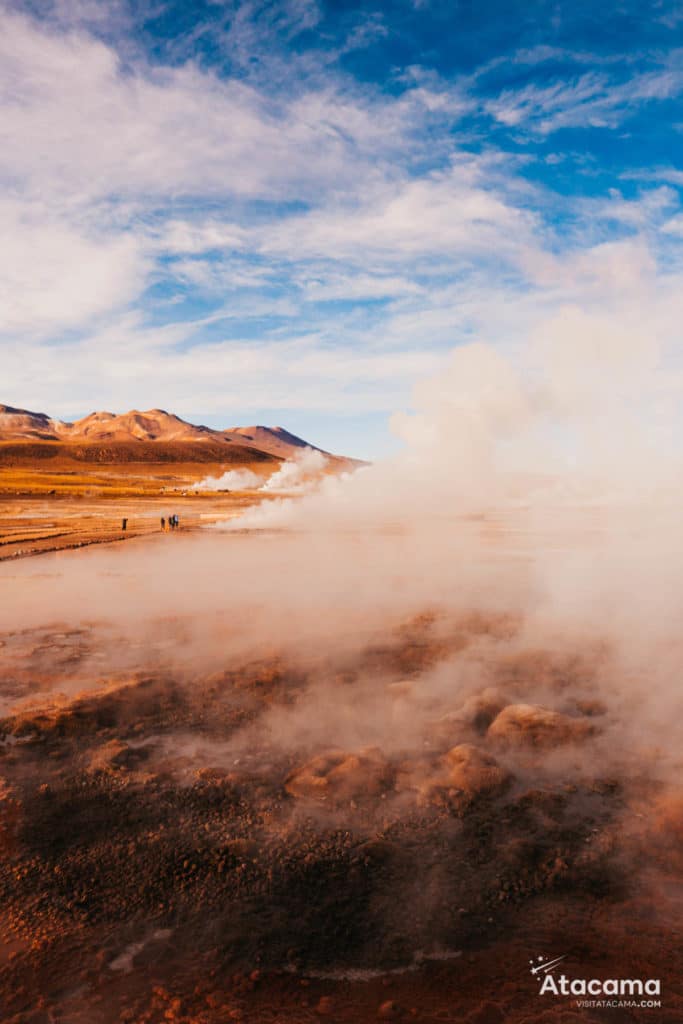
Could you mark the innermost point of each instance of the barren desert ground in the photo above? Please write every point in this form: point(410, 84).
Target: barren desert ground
point(236, 785)
point(66, 502)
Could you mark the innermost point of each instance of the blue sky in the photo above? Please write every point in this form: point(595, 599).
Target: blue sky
point(292, 212)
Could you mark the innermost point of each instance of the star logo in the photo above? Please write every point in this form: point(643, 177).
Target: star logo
point(541, 965)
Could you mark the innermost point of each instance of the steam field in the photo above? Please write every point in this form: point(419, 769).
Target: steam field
point(366, 775)
point(341, 512)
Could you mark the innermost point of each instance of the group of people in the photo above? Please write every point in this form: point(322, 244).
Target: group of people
point(172, 523)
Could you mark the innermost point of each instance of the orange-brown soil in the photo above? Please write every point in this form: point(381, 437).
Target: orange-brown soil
point(151, 873)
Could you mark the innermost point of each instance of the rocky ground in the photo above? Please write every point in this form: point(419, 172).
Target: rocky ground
point(154, 867)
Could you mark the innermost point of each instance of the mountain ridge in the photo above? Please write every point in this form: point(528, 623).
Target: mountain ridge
point(151, 426)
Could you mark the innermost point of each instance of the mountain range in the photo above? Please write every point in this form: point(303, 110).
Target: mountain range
point(154, 425)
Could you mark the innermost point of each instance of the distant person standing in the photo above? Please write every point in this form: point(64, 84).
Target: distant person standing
point(124, 524)
point(163, 523)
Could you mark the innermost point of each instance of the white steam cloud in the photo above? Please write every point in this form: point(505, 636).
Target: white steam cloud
point(299, 474)
point(233, 480)
point(586, 415)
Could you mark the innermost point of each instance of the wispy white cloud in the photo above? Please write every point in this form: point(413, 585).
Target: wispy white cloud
point(448, 213)
point(331, 286)
point(594, 99)
point(671, 175)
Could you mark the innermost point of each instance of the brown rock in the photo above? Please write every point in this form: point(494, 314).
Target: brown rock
point(473, 771)
point(389, 1010)
point(339, 776)
point(475, 715)
point(535, 726)
point(242, 849)
point(111, 757)
point(462, 775)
